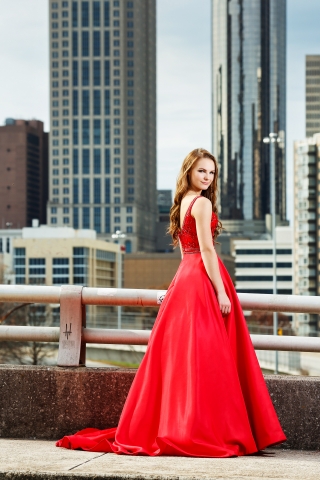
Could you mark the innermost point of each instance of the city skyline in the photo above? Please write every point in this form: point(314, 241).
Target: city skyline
point(183, 95)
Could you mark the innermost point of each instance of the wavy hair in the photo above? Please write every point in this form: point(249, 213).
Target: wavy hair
point(183, 185)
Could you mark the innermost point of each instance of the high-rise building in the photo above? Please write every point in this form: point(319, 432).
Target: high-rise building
point(249, 102)
point(103, 118)
point(23, 173)
point(312, 95)
point(306, 227)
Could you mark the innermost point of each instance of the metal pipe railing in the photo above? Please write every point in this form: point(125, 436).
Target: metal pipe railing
point(73, 336)
point(151, 298)
point(141, 337)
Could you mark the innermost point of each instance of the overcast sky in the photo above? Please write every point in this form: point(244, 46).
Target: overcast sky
point(183, 73)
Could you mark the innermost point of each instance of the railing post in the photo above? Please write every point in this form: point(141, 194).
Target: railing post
point(72, 320)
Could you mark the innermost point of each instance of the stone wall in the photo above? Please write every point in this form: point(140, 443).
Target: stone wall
point(49, 402)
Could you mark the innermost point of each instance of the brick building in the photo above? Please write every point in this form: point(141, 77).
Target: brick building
point(23, 173)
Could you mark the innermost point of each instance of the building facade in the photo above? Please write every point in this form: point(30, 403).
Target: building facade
point(23, 173)
point(249, 102)
point(312, 95)
point(306, 225)
point(254, 263)
point(103, 118)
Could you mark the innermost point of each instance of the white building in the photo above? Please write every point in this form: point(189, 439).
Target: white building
point(6, 254)
point(306, 225)
point(254, 263)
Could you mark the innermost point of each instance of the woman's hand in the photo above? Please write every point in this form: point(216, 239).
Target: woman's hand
point(224, 303)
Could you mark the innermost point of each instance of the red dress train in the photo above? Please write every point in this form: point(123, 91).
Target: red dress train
point(199, 390)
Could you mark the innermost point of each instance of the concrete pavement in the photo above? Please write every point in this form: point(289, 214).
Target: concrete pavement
point(38, 459)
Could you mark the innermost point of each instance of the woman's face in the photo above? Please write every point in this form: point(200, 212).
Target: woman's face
point(202, 174)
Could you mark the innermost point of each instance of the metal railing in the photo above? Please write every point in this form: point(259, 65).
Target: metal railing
point(73, 335)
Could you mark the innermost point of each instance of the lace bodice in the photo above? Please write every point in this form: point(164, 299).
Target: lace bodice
point(188, 233)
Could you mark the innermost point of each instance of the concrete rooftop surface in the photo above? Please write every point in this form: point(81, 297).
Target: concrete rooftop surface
point(40, 459)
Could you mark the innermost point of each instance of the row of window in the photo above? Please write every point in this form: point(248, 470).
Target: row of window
point(97, 195)
point(263, 251)
point(263, 265)
point(66, 210)
point(96, 220)
point(116, 82)
point(4, 245)
point(65, 151)
point(281, 291)
point(116, 121)
point(263, 278)
point(81, 12)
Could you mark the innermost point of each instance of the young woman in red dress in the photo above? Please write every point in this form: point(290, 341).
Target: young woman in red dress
point(199, 390)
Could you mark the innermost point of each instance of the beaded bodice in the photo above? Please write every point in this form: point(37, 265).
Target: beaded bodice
point(188, 233)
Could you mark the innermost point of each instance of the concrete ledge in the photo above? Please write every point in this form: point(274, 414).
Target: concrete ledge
point(49, 402)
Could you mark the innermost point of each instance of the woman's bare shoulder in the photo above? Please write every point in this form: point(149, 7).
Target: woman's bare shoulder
point(202, 206)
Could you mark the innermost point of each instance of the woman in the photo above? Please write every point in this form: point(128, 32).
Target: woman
point(199, 390)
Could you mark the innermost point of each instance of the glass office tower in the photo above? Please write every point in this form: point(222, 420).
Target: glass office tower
point(249, 102)
point(103, 118)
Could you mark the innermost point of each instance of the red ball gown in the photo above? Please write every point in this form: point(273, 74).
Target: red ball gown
point(199, 390)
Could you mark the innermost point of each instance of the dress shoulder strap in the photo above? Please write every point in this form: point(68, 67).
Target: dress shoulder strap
point(188, 212)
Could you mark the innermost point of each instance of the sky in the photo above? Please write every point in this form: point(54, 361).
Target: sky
point(183, 74)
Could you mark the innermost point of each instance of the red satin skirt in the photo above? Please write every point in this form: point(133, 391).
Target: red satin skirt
point(199, 390)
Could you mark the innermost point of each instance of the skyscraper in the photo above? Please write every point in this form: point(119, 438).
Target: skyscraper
point(312, 95)
point(23, 173)
point(103, 118)
point(249, 102)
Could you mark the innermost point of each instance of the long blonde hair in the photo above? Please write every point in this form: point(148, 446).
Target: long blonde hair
point(183, 185)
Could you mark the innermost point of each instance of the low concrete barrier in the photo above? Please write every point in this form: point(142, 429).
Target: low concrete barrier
point(49, 402)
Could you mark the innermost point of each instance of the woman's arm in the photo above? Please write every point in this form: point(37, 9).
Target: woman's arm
point(202, 212)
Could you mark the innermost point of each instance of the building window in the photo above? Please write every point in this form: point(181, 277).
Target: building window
point(85, 14)
point(97, 219)
point(66, 200)
point(130, 181)
point(97, 190)
point(53, 210)
point(85, 190)
point(85, 73)
point(96, 161)
point(117, 200)
point(75, 102)
point(96, 44)
point(76, 191)
point(20, 265)
point(74, 14)
point(107, 220)
point(96, 132)
point(96, 102)
point(60, 268)
point(53, 220)
point(130, 161)
point(75, 161)
point(85, 102)
point(76, 217)
point(96, 73)
point(107, 72)
point(85, 132)
point(107, 161)
point(130, 191)
point(107, 131)
point(116, 220)
point(74, 44)
point(85, 161)
point(37, 271)
point(85, 44)
point(106, 14)
point(96, 14)
point(75, 132)
point(86, 217)
point(129, 219)
point(107, 102)
point(80, 265)
point(75, 73)
point(106, 44)
point(66, 220)
point(128, 246)
point(129, 229)
point(107, 190)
